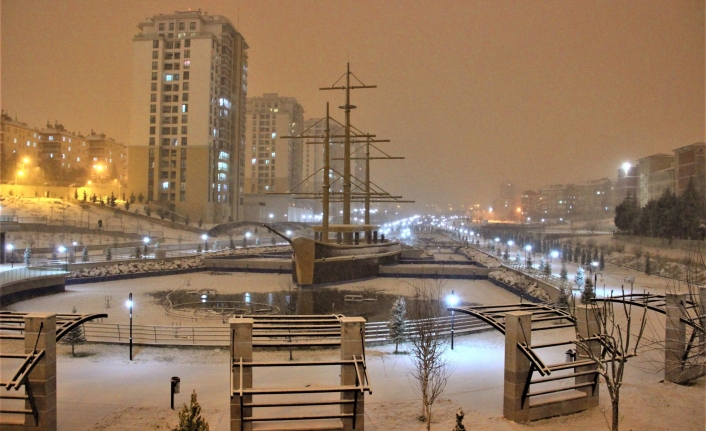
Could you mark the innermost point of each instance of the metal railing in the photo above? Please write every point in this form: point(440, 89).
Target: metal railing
point(375, 332)
point(19, 274)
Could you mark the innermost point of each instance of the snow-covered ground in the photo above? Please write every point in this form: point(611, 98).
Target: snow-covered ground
point(103, 390)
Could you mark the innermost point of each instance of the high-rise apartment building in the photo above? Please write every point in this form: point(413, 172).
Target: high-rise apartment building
point(187, 131)
point(273, 164)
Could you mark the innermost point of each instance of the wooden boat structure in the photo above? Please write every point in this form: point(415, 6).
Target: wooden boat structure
point(356, 251)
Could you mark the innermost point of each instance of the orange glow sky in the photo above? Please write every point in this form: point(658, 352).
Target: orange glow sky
point(473, 93)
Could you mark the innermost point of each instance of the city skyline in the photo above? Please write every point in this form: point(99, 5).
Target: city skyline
point(572, 92)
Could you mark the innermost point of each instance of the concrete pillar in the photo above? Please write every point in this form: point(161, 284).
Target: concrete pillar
point(352, 344)
point(587, 326)
point(674, 338)
point(518, 329)
point(375, 237)
point(356, 238)
point(339, 237)
point(241, 347)
point(42, 379)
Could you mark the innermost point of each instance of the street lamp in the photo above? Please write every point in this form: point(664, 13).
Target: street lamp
point(452, 300)
point(528, 248)
point(129, 305)
point(62, 249)
point(204, 237)
point(554, 254)
point(10, 248)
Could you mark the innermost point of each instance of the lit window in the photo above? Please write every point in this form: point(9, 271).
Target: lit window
point(187, 64)
point(165, 185)
point(69, 148)
point(185, 108)
point(168, 78)
point(254, 161)
point(51, 138)
point(274, 135)
point(273, 155)
point(78, 159)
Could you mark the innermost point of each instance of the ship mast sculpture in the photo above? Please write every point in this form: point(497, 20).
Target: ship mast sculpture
point(319, 261)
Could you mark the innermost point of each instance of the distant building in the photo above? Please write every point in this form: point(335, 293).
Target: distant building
point(54, 154)
point(690, 164)
point(187, 134)
point(104, 151)
point(506, 203)
point(274, 164)
point(18, 142)
point(655, 175)
point(627, 183)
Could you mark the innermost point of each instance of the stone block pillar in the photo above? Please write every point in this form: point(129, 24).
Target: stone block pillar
point(352, 344)
point(587, 326)
point(240, 347)
point(518, 329)
point(42, 379)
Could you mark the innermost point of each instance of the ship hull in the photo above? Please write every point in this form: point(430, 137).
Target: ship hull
point(316, 262)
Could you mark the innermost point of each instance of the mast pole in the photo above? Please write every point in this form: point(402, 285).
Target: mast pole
point(367, 190)
point(327, 185)
point(347, 156)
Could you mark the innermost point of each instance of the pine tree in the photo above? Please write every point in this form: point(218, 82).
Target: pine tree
point(216, 246)
point(580, 278)
point(84, 255)
point(563, 275)
point(27, 255)
point(126, 204)
point(138, 253)
point(601, 261)
point(588, 294)
point(506, 255)
point(141, 198)
point(198, 248)
point(190, 417)
point(648, 264)
point(562, 301)
point(74, 337)
point(542, 263)
point(108, 255)
point(397, 324)
point(547, 269)
point(187, 220)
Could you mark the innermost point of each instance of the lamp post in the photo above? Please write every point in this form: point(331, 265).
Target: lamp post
point(129, 305)
point(204, 237)
point(62, 249)
point(452, 300)
point(528, 248)
point(10, 248)
point(146, 250)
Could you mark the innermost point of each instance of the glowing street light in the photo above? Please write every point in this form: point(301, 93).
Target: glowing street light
point(10, 248)
point(626, 167)
point(510, 243)
point(452, 301)
point(146, 240)
point(129, 304)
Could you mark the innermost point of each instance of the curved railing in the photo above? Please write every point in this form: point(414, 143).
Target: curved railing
point(26, 273)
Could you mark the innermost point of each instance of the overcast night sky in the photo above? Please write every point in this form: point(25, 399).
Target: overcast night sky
point(473, 93)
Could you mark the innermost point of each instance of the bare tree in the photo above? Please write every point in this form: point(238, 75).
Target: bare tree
point(427, 346)
point(611, 345)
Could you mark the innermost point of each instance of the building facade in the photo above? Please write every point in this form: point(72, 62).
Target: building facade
point(187, 135)
point(55, 156)
point(690, 164)
point(655, 175)
point(275, 164)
